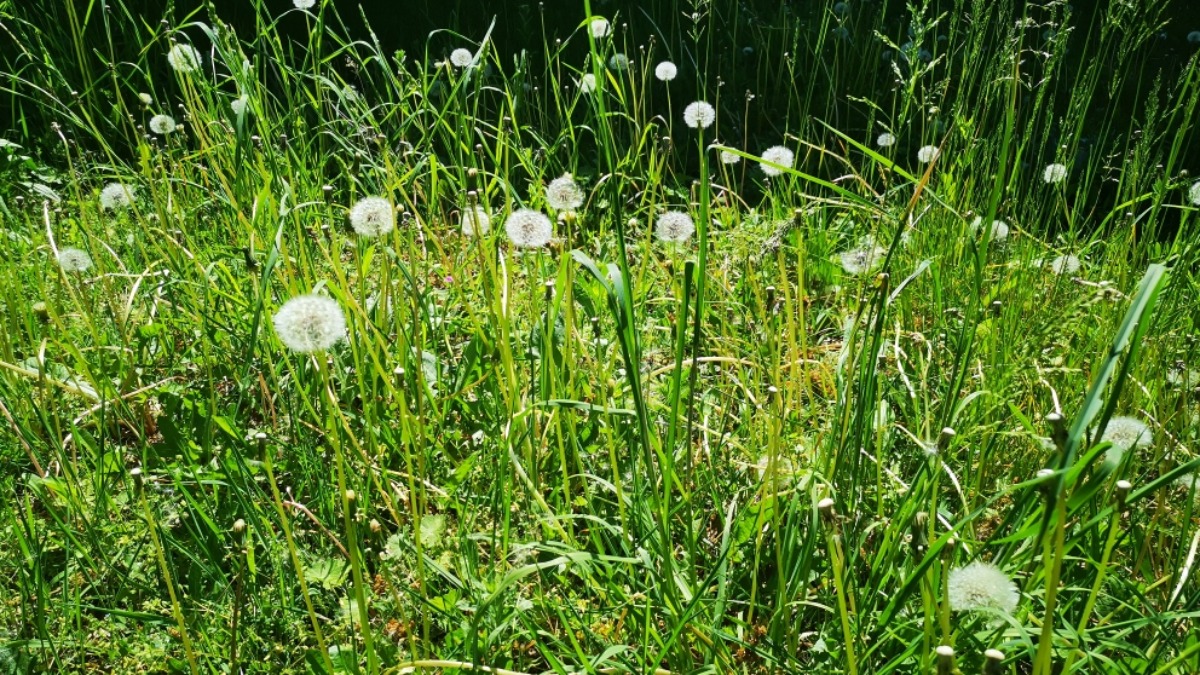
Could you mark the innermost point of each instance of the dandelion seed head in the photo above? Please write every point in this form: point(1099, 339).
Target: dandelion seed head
point(527, 228)
point(674, 227)
point(184, 58)
point(115, 196)
point(618, 62)
point(666, 71)
point(145, 98)
point(587, 83)
point(563, 194)
point(1054, 173)
point(928, 153)
point(1194, 37)
point(885, 140)
point(999, 228)
point(461, 57)
point(74, 259)
point(776, 154)
point(1065, 264)
point(239, 105)
point(162, 124)
point(866, 257)
point(600, 27)
point(699, 115)
point(981, 586)
point(310, 323)
point(728, 157)
point(841, 8)
point(1125, 434)
point(304, 4)
point(475, 221)
point(372, 217)
point(1194, 193)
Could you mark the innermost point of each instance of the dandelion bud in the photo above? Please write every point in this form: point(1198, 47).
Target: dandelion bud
point(239, 527)
point(1122, 493)
point(994, 659)
point(136, 474)
point(41, 311)
point(770, 298)
point(472, 173)
point(327, 190)
point(376, 528)
point(996, 307)
point(946, 438)
point(1058, 429)
point(549, 290)
point(351, 496)
point(919, 530)
point(825, 508)
point(945, 658)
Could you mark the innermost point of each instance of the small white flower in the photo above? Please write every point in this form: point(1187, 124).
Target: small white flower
point(674, 226)
point(527, 228)
point(618, 62)
point(162, 124)
point(475, 221)
point(666, 71)
point(73, 260)
point(885, 140)
point(1125, 434)
point(115, 196)
point(1054, 173)
point(310, 323)
point(304, 4)
point(587, 83)
point(461, 57)
point(1194, 192)
point(863, 259)
point(600, 27)
point(776, 155)
point(563, 194)
point(928, 153)
point(1065, 264)
point(999, 228)
point(981, 586)
point(239, 105)
point(699, 115)
point(372, 217)
point(184, 58)
point(728, 157)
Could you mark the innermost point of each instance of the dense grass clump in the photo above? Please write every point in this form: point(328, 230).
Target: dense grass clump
point(862, 341)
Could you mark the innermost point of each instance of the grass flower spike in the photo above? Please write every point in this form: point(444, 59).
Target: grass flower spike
point(776, 155)
point(74, 260)
point(310, 323)
point(372, 217)
point(527, 228)
point(699, 115)
point(982, 586)
point(674, 227)
point(184, 58)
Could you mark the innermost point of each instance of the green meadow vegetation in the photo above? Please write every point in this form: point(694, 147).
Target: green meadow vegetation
point(859, 339)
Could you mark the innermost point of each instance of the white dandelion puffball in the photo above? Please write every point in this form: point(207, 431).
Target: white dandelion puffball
point(527, 228)
point(239, 105)
point(1054, 173)
point(666, 71)
point(885, 140)
point(776, 155)
point(162, 124)
point(184, 58)
point(600, 27)
point(74, 260)
point(862, 259)
point(618, 62)
point(145, 99)
point(982, 586)
point(304, 4)
point(1194, 37)
point(699, 115)
point(1065, 264)
point(999, 228)
point(928, 153)
point(674, 227)
point(1194, 193)
point(372, 216)
point(563, 194)
point(115, 196)
point(728, 157)
point(475, 221)
point(1125, 434)
point(587, 83)
point(461, 57)
point(310, 323)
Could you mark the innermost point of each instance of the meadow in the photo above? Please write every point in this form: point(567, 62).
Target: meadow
point(854, 337)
